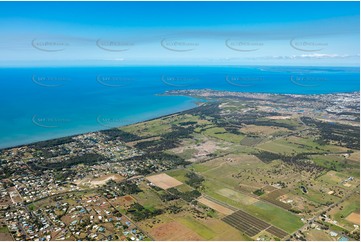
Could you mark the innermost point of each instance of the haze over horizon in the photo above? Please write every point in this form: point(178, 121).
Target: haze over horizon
point(179, 33)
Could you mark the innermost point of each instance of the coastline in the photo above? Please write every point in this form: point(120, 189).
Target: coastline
point(69, 111)
point(198, 104)
point(198, 100)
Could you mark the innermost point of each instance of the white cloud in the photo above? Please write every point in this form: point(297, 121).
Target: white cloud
point(307, 56)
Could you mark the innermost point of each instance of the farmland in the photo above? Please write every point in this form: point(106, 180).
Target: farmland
point(234, 168)
point(164, 181)
point(251, 225)
point(246, 168)
point(215, 206)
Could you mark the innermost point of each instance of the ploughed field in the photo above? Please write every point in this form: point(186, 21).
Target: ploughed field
point(252, 225)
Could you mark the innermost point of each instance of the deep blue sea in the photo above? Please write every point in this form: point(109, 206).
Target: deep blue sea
point(43, 103)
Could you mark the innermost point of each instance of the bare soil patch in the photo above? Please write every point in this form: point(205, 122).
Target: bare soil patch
point(173, 231)
point(215, 206)
point(354, 218)
point(164, 181)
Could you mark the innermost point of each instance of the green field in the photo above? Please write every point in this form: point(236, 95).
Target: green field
point(179, 174)
point(296, 145)
point(226, 195)
point(270, 213)
point(335, 179)
point(346, 208)
point(267, 212)
point(148, 199)
point(186, 154)
point(281, 218)
point(316, 197)
point(284, 146)
point(158, 126)
point(4, 229)
point(197, 227)
point(221, 133)
point(199, 167)
point(334, 162)
point(184, 188)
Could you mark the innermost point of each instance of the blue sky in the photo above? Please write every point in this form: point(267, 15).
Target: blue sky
point(179, 33)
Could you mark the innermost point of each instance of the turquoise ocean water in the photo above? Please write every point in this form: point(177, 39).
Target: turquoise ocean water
point(44, 103)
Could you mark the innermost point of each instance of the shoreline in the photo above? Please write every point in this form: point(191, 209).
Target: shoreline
point(174, 93)
point(100, 130)
point(199, 101)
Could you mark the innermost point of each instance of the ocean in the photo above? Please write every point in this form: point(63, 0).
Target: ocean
point(44, 103)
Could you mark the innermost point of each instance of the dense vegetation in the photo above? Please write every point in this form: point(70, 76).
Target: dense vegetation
point(118, 133)
point(52, 142)
point(86, 159)
point(259, 192)
point(343, 135)
point(194, 180)
point(139, 212)
point(187, 196)
point(167, 141)
point(299, 161)
point(115, 189)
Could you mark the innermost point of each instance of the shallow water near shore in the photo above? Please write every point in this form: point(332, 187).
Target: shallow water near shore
point(45, 103)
